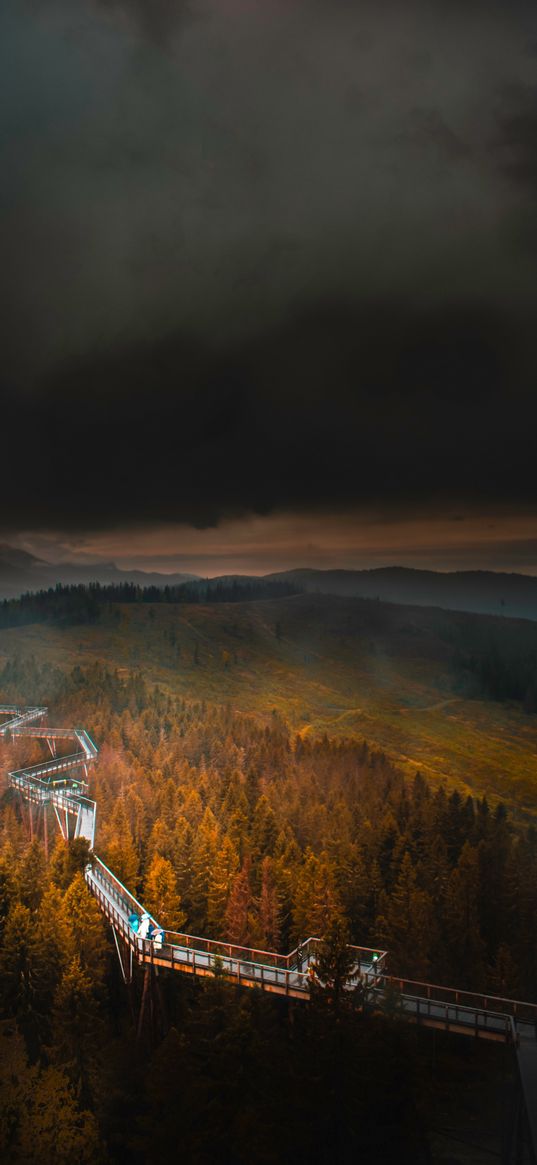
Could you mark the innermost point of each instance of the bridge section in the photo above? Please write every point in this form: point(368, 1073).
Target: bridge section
point(62, 781)
point(281, 974)
point(482, 1016)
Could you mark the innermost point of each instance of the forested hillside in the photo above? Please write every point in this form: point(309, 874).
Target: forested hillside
point(250, 833)
point(68, 605)
point(449, 694)
point(232, 829)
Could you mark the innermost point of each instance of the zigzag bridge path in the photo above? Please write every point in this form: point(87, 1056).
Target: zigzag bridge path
point(62, 782)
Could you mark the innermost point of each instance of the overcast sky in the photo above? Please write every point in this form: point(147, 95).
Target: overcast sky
point(269, 277)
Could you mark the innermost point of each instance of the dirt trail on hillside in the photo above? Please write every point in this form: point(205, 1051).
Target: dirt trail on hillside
point(433, 707)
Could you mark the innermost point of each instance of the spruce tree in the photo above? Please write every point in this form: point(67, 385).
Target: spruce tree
point(161, 898)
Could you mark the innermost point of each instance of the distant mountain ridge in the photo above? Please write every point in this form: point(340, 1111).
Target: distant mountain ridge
point(13, 559)
point(483, 592)
point(21, 571)
point(477, 591)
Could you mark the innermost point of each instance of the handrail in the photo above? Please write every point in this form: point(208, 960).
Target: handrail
point(515, 1007)
point(126, 893)
point(84, 739)
point(20, 716)
point(56, 765)
point(246, 969)
point(220, 946)
point(37, 783)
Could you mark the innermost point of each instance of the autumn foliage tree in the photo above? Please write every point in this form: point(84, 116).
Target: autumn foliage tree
point(161, 897)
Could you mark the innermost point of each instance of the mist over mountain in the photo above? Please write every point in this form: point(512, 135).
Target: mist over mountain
point(482, 591)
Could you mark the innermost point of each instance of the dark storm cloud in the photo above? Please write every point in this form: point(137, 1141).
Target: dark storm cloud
point(208, 172)
point(516, 141)
point(337, 407)
point(156, 19)
point(427, 128)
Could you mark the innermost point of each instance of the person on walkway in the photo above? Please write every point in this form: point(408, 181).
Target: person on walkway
point(145, 926)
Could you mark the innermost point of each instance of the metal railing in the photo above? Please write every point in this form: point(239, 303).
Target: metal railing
point(117, 903)
point(271, 971)
point(118, 893)
point(452, 1016)
point(18, 717)
point(304, 954)
point(56, 781)
point(518, 1010)
point(19, 729)
point(56, 765)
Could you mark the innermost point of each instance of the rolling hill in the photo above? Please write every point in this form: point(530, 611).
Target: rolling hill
point(406, 679)
point(484, 592)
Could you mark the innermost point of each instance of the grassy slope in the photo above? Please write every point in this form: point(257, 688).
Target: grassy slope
point(347, 666)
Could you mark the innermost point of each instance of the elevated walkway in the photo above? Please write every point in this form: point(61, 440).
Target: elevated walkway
point(191, 954)
point(62, 781)
point(485, 1017)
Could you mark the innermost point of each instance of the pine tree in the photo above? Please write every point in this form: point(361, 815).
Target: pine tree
point(183, 860)
point(204, 850)
point(77, 1029)
point(17, 974)
point(162, 840)
point(461, 921)
point(269, 909)
point(334, 964)
point(354, 887)
point(17, 1082)
point(67, 859)
point(238, 920)
point(122, 857)
point(7, 885)
point(161, 898)
point(504, 976)
point(404, 924)
point(221, 880)
point(54, 1129)
point(52, 943)
point(86, 927)
point(316, 900)
point(264, 828)
point(523, 893)
point(40, 1121)
point(32, 875)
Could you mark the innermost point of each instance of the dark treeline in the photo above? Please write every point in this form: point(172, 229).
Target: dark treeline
point(73, 604)
point(235, 829)
point(503, 672)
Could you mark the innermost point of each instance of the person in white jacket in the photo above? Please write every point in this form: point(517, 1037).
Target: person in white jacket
point(143, 929)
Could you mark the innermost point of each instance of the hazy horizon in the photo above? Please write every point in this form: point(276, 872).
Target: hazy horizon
point(344, 541)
